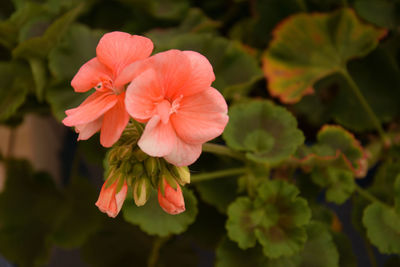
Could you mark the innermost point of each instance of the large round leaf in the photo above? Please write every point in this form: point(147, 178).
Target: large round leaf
point(268, 133)
point(154, 221)
point(308, 47)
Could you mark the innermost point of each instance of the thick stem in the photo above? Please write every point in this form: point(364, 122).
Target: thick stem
point(365, 105)
point(222, 150)
point(217, 174)
point(155, 251)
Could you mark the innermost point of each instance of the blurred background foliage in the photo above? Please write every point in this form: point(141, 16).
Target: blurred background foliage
point(44, 42)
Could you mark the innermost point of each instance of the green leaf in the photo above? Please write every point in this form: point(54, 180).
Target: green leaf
point(319, 250)
point(75, 48)
point(378, 78)
point(228, 254)
point(242, 222)
point(63, 97)
point(397, 193)
point(383, 228)
point(154, 221)
point(340, 183)
point(276, 219)
point(39, 47)
point(344, 247)
point(235, 70)
point(338, 147)
point(80, 218)
point(10, 28)
point(324, 43)
point(268, 133)
point(15, 80)
point(29, 207)
point(379, 12)
point(210, 192)
point(117, 243)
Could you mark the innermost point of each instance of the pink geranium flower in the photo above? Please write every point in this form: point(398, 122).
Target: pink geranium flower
point(105, 109)
point(110, 201)
point(174, 96)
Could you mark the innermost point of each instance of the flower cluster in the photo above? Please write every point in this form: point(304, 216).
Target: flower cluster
point(170, 92)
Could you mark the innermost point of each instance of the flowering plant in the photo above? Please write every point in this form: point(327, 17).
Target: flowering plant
point(257, 133)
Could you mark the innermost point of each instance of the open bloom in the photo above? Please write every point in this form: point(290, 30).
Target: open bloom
point(172, 201)
point(110, 201)
point(174, 96)
point(105, 109)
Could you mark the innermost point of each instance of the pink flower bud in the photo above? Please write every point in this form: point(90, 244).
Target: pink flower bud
point(110, 201)
point(172, 200)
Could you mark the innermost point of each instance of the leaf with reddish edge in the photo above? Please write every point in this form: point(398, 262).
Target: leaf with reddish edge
point(335, 145)
point(309, 47)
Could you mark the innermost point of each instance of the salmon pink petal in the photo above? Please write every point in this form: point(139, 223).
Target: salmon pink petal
point(142, 94)
point(183, 154)
point(90, 75)
point(201, 77)
point(87, 130)
point(119, 199)
point(114, 123)
point(91, 109)
point(117, 50)
point(131, 72)
point(158, 139)
point(106, 197)
point(173, 69)
point(201, 117)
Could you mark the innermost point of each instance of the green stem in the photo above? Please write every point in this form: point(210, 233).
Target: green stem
point(370, 252)
point(302, 5)
point(217, 174)
point(367, 195)
point(222, 150)
point(364, 104)
point(155, 251)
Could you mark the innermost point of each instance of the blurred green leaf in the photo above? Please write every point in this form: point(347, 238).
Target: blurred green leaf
point(340, 183)
point(154, 221)
point(383, 228)
point(10, 28)
point(39, 47)
point(235, 69)
point(379, 12)
point(63, 97)
point(29, 207)
point(117, 243)
point(344, 247)
point(75, 48)
point(79, 218)
point(15, 82)
point(267, 132)
point(324, 43)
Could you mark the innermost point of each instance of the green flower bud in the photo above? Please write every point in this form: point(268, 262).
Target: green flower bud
point(183, 174)
point(141, 190)
point(137, 170)
point(139, 154)
point(126, 167)
point(151, 166)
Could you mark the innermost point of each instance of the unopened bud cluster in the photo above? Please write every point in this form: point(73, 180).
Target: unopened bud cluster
point(127, 164)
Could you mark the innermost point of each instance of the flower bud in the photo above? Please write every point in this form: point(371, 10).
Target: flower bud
point(137, 170)
point(112, 197)
point(141, 190)
point(171, 200)
point(183, 174)
point(151, 166)
point(139, 154)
